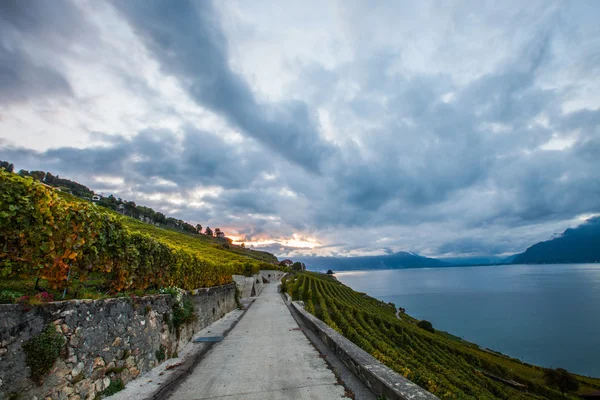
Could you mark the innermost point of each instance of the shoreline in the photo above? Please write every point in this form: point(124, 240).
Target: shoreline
point(477, 326)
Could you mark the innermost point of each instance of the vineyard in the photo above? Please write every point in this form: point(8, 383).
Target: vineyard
point(208, 246)
point(64, 242)
point(443, 364)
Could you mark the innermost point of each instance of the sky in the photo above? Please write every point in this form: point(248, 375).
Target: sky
point(307, 127)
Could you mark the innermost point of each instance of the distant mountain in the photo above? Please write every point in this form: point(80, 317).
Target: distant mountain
point(481, 260)
point(510, 259)
point(576, 245)
point(398, 260)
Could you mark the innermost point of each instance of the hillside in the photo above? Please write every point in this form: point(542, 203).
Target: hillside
point(576, 245)
point(67, 245)
point(442, 363)
point(202, 244)
point(389, 261)
point(205, 246)
point(124, 207)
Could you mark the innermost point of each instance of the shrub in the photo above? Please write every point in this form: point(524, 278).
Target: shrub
point(174, 292)
point(183, 313)
point(9, 296)
point(41, 298)
point(42, 350)
point(426, 325)
point(249, 270)
point(283, 286)
point(561, 379)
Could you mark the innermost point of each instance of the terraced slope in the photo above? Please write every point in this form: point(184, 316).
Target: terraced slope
point(205, 246)
point(59, 241)
point(447, 366)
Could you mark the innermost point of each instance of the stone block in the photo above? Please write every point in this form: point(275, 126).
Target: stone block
point(99, 385)
point(98, 363)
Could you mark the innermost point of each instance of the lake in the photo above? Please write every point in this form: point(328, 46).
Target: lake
point(547, 315)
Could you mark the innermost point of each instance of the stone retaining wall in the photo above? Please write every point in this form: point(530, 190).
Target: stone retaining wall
point(249, 286)
point(103, 340)
point(381, 380)
point(252, 285)
point(272, 275)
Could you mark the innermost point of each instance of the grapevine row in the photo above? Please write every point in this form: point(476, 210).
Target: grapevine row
point(433, 361)
point(43, 236)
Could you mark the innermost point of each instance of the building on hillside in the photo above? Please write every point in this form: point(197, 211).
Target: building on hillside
point(95, 198)
point(220, 235)
point(286, 263)
point(50, 187)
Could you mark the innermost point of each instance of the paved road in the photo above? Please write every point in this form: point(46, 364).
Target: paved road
point(262, 358)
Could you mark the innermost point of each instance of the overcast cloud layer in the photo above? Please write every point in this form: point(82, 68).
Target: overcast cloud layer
point(341, 128)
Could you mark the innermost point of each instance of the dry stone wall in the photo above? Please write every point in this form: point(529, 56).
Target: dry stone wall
point(272, 275)
point(250, 286)
point(103, 340)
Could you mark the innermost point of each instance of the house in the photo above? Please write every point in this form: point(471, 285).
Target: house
point(286, 263)
point(50, 187)
point(95, 198)
point(220, 235)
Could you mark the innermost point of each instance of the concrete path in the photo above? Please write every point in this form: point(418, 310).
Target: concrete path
point(264, 357)
point(153, 383)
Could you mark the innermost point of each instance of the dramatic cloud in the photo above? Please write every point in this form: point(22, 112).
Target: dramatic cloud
point(317, 129)
point(187, 40)
point(23, 27)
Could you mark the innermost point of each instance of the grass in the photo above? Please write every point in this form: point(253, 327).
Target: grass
point(438, 361)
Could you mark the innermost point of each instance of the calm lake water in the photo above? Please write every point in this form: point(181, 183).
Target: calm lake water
point(547, 315)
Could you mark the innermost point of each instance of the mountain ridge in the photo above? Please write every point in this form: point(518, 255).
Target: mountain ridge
point(398, 260)
point(580, 244)
point(575, 245)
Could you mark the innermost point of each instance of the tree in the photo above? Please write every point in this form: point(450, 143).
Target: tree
point(243, 245)
point(562, 379)
point(49, 178)
point(9, 167)
point(208, 231)
point(426, 325)
point(329, 272)
point(39, 175)
point(199, 228)
point(298, 266)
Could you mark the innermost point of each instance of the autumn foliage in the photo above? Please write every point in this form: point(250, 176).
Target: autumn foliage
point(45, 236)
